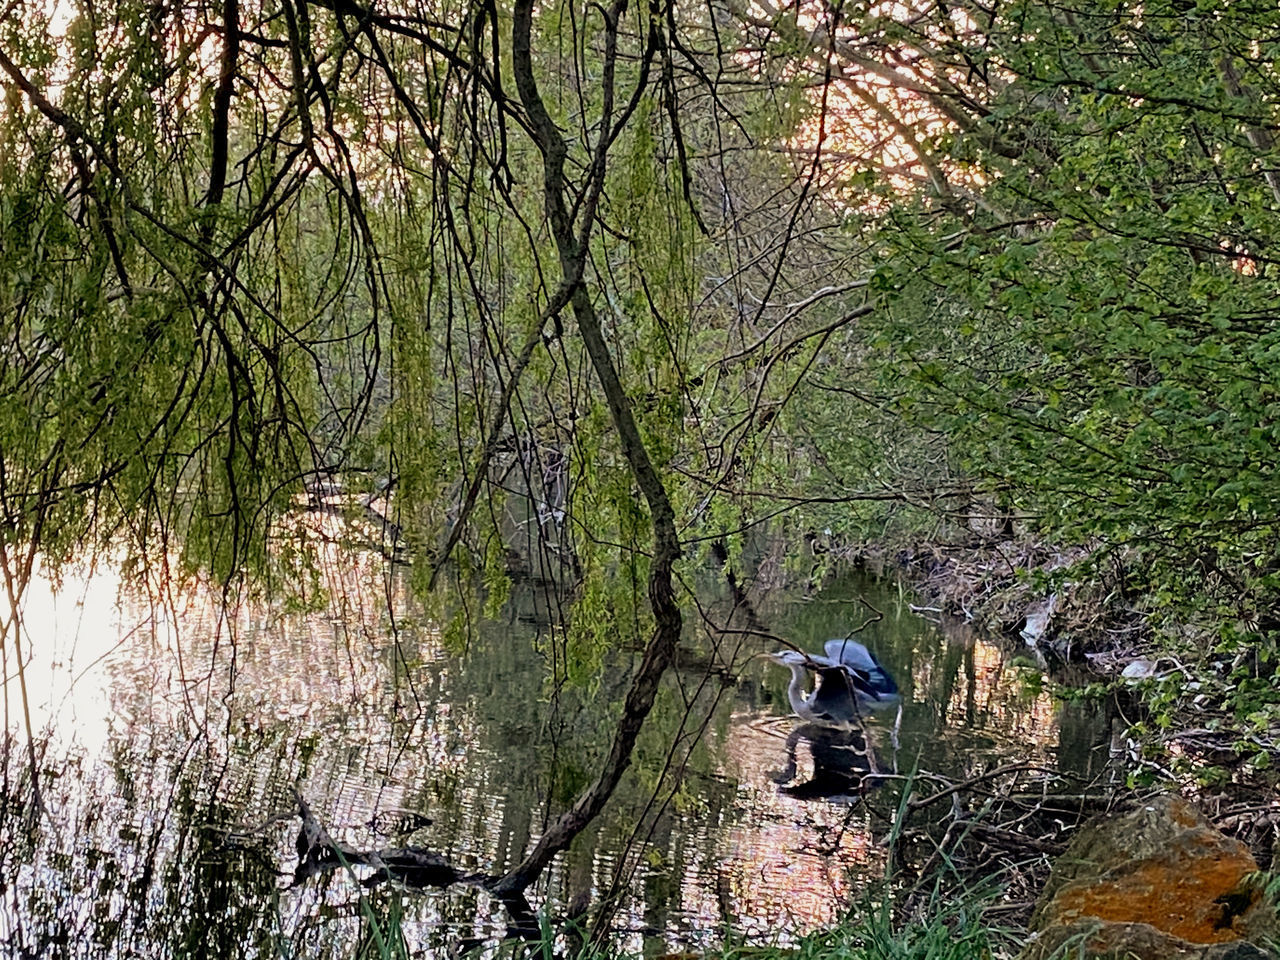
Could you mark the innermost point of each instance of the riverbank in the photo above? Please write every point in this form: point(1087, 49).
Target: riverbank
point(1196, 693)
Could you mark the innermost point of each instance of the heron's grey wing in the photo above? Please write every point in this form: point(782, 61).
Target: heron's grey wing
point(851, 653)
point(869, 677)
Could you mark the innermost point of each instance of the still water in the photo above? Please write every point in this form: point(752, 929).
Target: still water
point(173, 731)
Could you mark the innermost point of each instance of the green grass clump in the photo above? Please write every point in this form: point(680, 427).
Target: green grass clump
point(947, 926)
point(943, 925)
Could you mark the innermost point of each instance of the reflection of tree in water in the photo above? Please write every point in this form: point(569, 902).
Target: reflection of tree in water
point(215, 886)
point(844, 763)
point(135, 860)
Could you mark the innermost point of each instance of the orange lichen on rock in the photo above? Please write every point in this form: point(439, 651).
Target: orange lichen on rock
point(1157, 882)
point(1196, 900)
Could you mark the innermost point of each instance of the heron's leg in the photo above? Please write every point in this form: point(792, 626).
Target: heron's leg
point(788, 773)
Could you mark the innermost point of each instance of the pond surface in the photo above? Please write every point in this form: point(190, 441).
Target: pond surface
point(173, 733)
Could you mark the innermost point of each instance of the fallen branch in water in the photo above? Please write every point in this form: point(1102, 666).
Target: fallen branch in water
point(412, 866)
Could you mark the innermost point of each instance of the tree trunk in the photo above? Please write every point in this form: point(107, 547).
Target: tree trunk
point(573, 246)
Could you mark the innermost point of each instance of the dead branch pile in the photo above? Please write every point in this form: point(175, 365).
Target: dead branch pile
point(1002, 825)
point(1058, 600)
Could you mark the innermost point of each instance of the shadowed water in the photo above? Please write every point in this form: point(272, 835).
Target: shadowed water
point(173, 733)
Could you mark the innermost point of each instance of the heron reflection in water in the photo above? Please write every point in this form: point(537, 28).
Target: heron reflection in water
point(848, 680)
point(844, 764)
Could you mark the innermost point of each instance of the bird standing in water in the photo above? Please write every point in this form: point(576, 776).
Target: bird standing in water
point(849, 680)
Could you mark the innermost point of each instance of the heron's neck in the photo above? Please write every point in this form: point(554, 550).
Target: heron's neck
point(796, 690)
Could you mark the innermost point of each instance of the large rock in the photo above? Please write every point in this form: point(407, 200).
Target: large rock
point(1157, 883)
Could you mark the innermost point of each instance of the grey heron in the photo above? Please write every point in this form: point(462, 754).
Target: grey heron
point(849, 680)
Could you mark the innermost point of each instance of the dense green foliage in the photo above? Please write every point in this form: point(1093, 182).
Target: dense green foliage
point(1099, 342)
point(1075, 319)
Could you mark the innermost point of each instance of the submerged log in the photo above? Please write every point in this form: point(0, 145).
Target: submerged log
point(413, 866)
